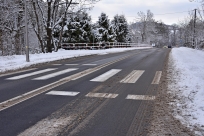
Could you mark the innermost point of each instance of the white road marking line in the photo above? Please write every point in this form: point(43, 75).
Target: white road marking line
point(157, 77)
point(54, 74)
point(56, 64)
point(71, 64)
point(89, 64)
point(21, 98)
point(63, 93)
point(30, 74)
point(102, 95)
point(17, 72)
point(106, 75)
point(133, 76)
point(140, 97)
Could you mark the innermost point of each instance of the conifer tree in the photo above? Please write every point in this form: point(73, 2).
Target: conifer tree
point(120, 27)
point(78, 29)
point(105, 30)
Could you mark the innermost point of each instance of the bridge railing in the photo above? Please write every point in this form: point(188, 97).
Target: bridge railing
point(107, 45)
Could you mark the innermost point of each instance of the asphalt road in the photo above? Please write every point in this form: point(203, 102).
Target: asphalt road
point(100, 95)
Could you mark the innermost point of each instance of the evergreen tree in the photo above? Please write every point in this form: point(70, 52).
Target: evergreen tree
point(78, 29)
point(87, 27)
point(105, 30)
point(120, 27)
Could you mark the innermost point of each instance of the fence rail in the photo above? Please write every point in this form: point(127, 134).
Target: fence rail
point(107, 45)
point(77, 46)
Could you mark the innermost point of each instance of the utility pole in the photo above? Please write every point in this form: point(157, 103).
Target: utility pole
point(194, 27)
point(26, 33)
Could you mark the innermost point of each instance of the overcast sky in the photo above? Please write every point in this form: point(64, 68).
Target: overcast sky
point(130, 8)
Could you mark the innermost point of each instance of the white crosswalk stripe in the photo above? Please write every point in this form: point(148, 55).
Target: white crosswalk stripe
point(55, 74)
point(102, 95)
point(56, 64)
point(133, 76)
point(71, 64)
point(31, 74)
point(157, 77)
point(140, 97)
point(89, 64)
point(63, 93)
point(106, 75)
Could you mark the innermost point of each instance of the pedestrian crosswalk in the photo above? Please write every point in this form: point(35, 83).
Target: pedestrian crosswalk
point(130, 78)
point(103, 95)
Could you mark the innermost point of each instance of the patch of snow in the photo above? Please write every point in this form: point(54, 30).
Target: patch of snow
point(47, 127)
point(187, 86)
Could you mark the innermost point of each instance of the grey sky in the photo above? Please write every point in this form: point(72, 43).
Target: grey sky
point(130, 8)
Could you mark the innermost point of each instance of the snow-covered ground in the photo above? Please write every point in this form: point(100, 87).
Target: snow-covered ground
point(19, 61)
point(187, 87)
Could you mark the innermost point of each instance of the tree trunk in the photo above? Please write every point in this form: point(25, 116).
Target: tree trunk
point(1, 44)
point(17, 44)
point(38, 32)
point(49, 30)
point(68, 3)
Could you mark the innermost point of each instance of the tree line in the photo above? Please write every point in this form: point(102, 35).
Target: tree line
point(54, 22)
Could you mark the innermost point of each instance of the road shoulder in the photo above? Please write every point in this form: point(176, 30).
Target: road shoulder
point(163, 123)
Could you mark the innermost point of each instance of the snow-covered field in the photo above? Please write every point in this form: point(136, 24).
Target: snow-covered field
point(187, 87)
point(19, 61)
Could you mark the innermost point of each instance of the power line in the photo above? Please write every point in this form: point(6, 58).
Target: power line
point(173, 12)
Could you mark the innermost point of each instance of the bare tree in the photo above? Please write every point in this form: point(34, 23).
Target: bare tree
point(134, 33)
point(145, 23)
